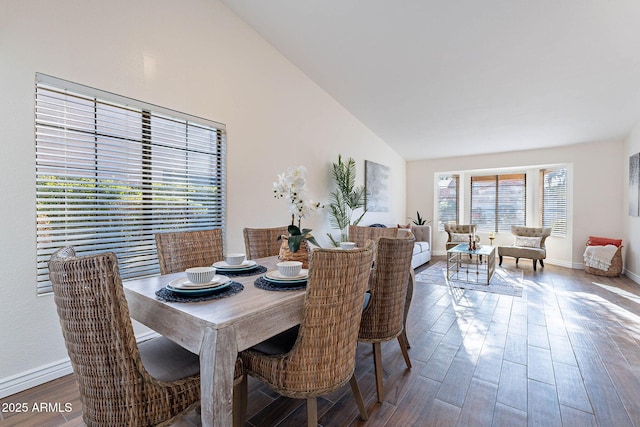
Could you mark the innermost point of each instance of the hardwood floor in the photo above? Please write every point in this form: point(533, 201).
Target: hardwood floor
point(566, 353)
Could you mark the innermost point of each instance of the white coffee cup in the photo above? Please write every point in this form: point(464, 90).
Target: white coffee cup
point(347, 245)
point(234, 259)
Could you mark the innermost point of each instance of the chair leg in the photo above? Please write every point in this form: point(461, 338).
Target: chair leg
point(403, 348)
point(500, 263)
point(517, 259)
point(356, 393)
point(535, 262)
point(240, 400)
point(377, 366)
point(541, 263)
point(312, 412)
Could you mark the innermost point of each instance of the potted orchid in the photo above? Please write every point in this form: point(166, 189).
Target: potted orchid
point(291, 186)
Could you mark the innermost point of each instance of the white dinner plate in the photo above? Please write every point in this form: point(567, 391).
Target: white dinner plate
point(275, 275)
point(184, 284)
point(244, 266)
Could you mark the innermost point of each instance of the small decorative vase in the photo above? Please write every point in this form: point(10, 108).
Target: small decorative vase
point(301, 255)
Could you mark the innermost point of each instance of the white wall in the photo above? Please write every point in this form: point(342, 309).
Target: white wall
point(193, 56)
point(596, 190)
point(631, 251)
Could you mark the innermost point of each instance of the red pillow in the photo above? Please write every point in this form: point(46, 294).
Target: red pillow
point(603, 241)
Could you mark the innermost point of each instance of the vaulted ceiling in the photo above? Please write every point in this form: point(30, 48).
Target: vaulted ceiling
point(436, 78)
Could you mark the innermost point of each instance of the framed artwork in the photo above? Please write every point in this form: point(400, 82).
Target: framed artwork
point(634, 185)
point(377, 186)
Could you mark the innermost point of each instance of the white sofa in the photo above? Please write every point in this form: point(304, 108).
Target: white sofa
point(422, 247)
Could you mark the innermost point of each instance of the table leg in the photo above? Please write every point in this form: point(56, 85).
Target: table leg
point(217, 361)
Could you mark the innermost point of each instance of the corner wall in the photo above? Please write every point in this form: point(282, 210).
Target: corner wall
point(193, 56)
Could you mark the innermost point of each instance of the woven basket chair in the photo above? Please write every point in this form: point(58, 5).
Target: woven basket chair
point(180, 250)
point(383, 317)
point(360, 234)
point(121, 383)
point(263, 242)
point(320, 357)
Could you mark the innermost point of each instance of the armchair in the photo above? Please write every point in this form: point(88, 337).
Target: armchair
point(529, 243)
point(459, 233)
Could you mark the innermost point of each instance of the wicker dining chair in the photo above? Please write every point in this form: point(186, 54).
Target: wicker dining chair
point(121, 383)
point(383, 318)
point(263, 242)
point(180, 250)
point(318, 357)
point(360, 234)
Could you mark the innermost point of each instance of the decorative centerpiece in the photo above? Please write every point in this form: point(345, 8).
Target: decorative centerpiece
point(291, 186)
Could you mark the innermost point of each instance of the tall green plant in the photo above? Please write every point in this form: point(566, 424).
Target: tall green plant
point(345, 198)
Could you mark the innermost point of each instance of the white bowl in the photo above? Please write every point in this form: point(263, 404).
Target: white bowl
point(347, 245)
point(200, 275)
point(234, 259)
point(289, 268)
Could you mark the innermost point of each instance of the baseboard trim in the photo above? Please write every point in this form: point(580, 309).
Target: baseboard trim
point(631, 276)
point(45, 373)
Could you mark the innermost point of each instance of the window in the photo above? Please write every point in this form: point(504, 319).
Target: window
point(553, 212)
point(111, 172)
point(498, 201)
point(447, 200)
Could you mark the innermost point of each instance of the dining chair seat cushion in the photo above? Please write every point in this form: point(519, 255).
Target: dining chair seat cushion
point(167, 361)
point(278, 344)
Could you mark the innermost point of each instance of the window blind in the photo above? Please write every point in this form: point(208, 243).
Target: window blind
point(498, 201)
point(447, 200)
point(112, 171)
point(554, 200)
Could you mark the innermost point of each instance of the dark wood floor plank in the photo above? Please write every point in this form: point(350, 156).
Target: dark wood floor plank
point(455, 384)
point(506, 416)
point(542, 405)
point(571, 390)
point(477, 409)
point(512, 389)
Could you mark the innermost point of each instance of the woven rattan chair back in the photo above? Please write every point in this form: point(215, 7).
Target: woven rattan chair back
point(383, 318)
point(263, 242)
point(323, 356)
point(115, 388)
point(180, 250)
point(360, 234)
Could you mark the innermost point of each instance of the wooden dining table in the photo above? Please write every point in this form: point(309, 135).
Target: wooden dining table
point(216, 329)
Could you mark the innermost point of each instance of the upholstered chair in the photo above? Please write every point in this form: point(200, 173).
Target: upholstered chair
point(263, 242)
point(529, 242)
point(121, 382)
point(318, 357)
point(180, 250)
point(383, 318)
point(459, 233)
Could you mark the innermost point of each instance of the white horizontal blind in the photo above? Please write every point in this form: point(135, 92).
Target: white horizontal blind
point(498, 201)
point(554, 200)
point(112, 172)
point(447, 200)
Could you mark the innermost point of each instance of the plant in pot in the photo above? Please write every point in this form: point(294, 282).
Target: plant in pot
point(345, 199)
point(291, 186)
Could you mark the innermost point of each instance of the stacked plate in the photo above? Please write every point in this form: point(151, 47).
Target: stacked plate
point(274, 277)
point(223, 267)
point(184, 287)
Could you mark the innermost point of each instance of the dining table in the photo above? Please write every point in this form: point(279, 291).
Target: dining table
point(216, 329)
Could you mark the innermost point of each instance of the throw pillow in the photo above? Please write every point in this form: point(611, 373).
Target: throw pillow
point(603, 241)
point(459, 237)
point(404, 226)
point(528, 242)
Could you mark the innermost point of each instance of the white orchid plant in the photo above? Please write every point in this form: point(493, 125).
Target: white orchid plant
point(291, 186)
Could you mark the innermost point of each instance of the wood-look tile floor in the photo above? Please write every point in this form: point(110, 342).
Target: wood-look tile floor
point(566, 353)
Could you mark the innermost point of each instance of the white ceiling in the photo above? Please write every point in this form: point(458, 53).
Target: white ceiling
point(458, 77)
